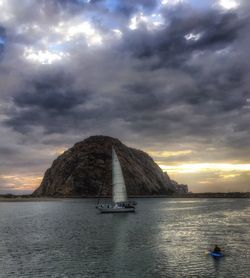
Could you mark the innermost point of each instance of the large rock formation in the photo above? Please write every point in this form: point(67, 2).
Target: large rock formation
point(84, 168)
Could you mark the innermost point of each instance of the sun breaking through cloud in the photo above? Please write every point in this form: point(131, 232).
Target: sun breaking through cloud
point(229, 4)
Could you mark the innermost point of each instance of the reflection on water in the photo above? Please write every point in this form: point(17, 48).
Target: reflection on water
point(164, 238)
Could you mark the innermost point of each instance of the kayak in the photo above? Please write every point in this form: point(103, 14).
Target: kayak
point(216, 255)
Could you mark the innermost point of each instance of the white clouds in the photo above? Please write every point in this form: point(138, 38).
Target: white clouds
point(229, 4)
point(133, 23)
point(151, 22)
point(117, 33)
point(5, 11)
point(49, 46)
point(193, 37)
point(27, 28)
point(172, 2)
point(74, 30)
point(43, 57)
point(55, 43)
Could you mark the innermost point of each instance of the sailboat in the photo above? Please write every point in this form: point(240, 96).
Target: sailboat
point(120, 201)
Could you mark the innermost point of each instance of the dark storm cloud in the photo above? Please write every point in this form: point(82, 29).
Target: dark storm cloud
point(52, 94)
point(2, 32)
point(146, 105)
point(216, 30)
point(46, 102)
point(6, 151)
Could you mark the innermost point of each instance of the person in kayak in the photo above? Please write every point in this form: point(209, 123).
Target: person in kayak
point(217, 249)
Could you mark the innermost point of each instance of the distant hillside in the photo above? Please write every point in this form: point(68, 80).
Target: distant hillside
point(84, 168)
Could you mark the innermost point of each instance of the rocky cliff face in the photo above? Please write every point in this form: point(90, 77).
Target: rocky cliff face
point(84, 168)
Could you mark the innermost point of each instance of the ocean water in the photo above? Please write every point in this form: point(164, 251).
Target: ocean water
point(164, 238)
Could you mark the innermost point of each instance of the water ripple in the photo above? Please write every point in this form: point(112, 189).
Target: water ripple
point(164, 238)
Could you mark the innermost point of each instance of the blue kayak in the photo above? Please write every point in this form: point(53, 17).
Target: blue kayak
point(217, 254)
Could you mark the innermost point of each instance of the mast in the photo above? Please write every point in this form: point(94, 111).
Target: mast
point(99, 194)
point(119, 192)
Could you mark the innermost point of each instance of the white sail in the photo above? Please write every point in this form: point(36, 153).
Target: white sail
point(118, 183)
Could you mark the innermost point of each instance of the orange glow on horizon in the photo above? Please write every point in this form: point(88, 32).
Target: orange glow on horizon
point(205, 167)
point(60, 150)
point(169, 153)
point(206, 174)
point(17, 182)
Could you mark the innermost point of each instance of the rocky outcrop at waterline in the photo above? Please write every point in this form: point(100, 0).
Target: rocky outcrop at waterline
point(84, 168)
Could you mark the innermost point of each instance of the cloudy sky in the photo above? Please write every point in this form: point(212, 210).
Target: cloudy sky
point(170, 77)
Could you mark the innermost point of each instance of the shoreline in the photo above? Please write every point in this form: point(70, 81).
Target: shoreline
point(27, 198)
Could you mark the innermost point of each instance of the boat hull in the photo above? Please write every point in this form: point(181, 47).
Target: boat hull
point(115, 210)
point(217, 255)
